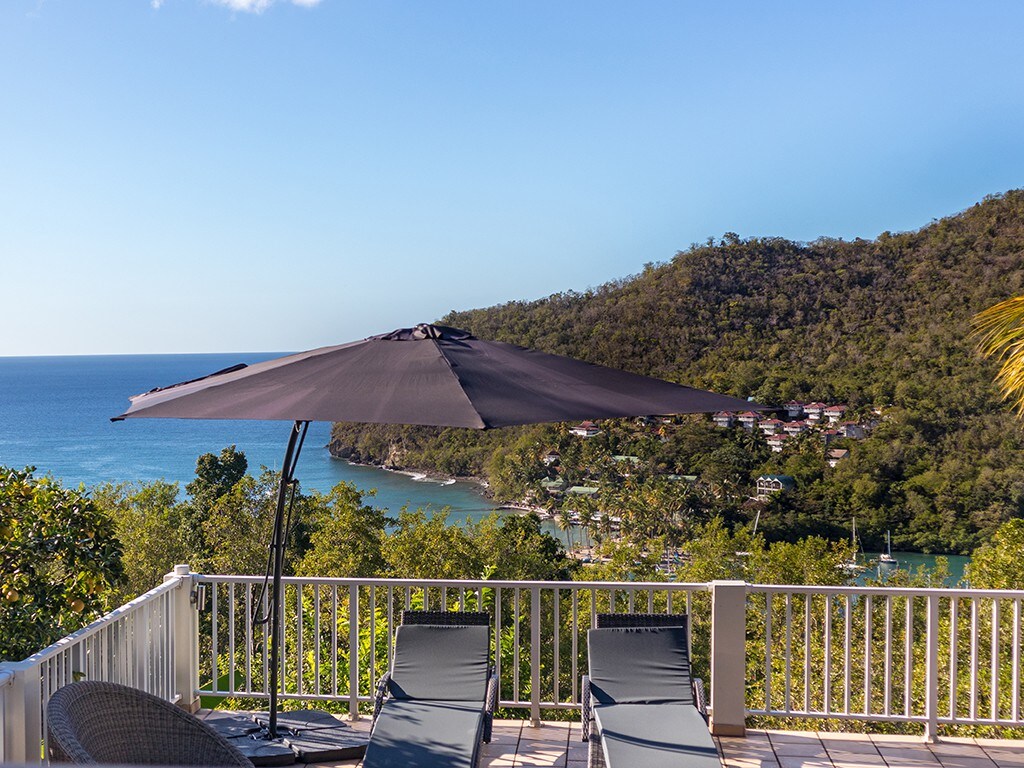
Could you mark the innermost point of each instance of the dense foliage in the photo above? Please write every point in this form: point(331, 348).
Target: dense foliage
point(59, 560)
point(881, 323)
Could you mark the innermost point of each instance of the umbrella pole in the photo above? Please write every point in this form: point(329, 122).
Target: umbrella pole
point(291, 456)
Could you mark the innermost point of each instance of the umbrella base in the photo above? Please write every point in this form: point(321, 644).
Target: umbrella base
point(304, 736)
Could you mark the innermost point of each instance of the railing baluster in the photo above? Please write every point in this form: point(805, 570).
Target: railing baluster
point(213, 636)
point(827, 688)
point(807, 653)
point(974, 658)
point(887, 687)
point(575, 639)
point(316, 639)
point(767, 652)
point(847, 653)
point(557, 625)
point(1016, 661)
point(231, 638)
point(248, 637)
point(954, 620)
point(908, 657)
point(868, 637)
point(334, 639)
point(789, 652)
point(994, 682)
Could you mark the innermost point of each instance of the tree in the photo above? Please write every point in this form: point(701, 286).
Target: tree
point(428, 548)
point(514, 547)
point(349, 537)
point(148, 521)
point(215, 477)
point(996, 564)
point(1000, 330)
point(59, 561)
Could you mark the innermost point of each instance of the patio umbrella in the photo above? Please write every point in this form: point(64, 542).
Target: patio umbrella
point(428, 375)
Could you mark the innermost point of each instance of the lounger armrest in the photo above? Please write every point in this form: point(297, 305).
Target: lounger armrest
point(587, 708)
point(379, 696)
point(699, 697)
point(489, 706)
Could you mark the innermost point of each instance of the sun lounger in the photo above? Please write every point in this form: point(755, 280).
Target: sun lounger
point(434, 707)
point(640, 706)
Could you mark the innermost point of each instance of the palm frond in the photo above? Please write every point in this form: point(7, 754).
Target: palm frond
point(1000, 333)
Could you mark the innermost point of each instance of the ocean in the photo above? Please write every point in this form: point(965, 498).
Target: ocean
point(55, 415)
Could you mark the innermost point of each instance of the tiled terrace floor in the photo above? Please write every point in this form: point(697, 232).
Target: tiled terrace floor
point(517, 745)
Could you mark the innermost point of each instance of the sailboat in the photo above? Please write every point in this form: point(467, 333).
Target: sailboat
point(852, 566)
point(886, 557)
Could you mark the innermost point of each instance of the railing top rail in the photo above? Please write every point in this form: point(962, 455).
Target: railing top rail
point(465, 583)
point(100, 623)
point(6, 677)
point(950, 592)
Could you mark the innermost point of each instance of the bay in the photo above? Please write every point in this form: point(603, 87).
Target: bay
point(55, 415)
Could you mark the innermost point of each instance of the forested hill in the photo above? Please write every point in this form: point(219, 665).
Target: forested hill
point(882, 321)
point(870, 323)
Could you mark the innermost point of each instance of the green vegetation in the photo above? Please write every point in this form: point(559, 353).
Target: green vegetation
point(59, 562)
point(883, 324)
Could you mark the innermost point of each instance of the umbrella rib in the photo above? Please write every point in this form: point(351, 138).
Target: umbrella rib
point(455, 375)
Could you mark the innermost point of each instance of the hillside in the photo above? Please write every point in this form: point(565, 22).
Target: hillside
point(879, 323)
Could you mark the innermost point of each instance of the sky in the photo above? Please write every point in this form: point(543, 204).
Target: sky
point(276, 175)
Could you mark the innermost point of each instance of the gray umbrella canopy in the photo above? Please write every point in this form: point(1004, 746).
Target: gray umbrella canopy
point(428, 375)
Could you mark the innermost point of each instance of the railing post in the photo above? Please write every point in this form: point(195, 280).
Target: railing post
point(931, 673)
point(535, 656)
point(23, 716)
point(185, 623)
point(353, 651)
point(728, 657)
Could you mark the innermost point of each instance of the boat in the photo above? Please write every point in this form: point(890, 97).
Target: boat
point(853, 566)
point(886, 557)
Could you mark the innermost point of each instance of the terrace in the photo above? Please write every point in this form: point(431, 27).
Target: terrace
point(928, 662)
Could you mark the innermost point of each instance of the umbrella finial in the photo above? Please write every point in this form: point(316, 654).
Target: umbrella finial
point(428, 331)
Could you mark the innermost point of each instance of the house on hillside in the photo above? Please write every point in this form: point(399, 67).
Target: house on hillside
point(724, 419)
point(551, 457)
point(814, 411)
point(794, 428)
point(852, 429)
point(748, 419)
point(771, 426)
point(835, 455)
point(583, 490)
point(586, 429)
point(553, 485)
point(794, 409)
point(769, 485)
point(776, 442)
point(834, 413)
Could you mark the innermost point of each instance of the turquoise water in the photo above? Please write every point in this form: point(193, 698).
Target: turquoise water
point(912, 561)
point(55, 415)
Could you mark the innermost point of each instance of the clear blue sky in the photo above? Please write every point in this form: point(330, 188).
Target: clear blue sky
point(242, 175)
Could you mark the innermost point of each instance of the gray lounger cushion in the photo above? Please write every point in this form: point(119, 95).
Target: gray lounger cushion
point(655, 736)
point(644, 665)
point(408, 733)
point(439, 663)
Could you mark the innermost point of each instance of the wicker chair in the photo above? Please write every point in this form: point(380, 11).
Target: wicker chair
point(96, 722)
point(698, 748)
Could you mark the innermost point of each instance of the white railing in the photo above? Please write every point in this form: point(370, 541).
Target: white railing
point(148, 643)
point(927, 656)
point(932, 656)
point(334, 653)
